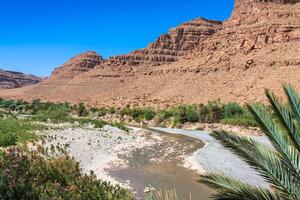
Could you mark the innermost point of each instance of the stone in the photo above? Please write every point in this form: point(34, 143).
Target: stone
point(12, 79)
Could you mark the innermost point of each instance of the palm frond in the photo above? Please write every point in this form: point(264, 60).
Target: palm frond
point(262, 159)
point(294, 100)
point(286, 119)
point(280, 139)
point(279, 166)
point(228, 188)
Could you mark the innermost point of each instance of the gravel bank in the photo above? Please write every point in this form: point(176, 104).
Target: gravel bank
point(215, 157)
point(97, 149)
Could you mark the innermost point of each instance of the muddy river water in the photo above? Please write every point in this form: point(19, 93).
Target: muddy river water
point(161, 168)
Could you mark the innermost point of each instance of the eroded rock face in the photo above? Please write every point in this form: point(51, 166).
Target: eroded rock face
point(169, 47)
point(254, 25)
point(258, 47)
point(245, 2)
point(11, 79)
point(77, 65)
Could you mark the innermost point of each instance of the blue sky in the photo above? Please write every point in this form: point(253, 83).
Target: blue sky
point(38, 35)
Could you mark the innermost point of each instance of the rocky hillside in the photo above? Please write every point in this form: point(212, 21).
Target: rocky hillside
point(169, 47)
point(77, 65)
point(258, 47)
point(11, 79)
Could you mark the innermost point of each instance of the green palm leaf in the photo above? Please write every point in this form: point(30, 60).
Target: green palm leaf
point(294, 101)
point(279, 166)
point(262, 159)
point(280, 139)
point(228, 188)
point(286, 119)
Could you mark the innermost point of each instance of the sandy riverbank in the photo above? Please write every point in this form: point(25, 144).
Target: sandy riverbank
point(214, 157)
point(98, 149)
point(109, 150)
point(103, 149)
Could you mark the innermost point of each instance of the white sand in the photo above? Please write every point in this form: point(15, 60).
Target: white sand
point(214, 157)
point(97, 149)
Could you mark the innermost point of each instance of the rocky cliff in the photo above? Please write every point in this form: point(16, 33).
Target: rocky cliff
point(258, 47)
point(11, 79)
point(169, 47)
point(77, 65)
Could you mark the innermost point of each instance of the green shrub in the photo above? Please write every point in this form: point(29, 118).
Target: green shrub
point(186, 113)
point(246, 121)
point(102, 112)
point(7, 139)
point(93, 109)
point(232, 109)
point(111, 110)
point(210, 113)
point(13, 131)
point(138, 114)
point(81, 110)
point(25, 175)
point(162, 116)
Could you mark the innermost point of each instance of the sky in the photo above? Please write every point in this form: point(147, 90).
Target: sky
point(37, 36)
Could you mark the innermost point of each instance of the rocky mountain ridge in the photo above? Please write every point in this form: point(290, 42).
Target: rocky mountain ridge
point(12, 79)
point(257, 47)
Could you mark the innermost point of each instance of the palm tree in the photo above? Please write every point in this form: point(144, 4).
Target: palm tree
point(279, 166)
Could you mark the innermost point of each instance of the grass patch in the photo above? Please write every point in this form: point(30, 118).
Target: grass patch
point(13, 131)
point(240, 121)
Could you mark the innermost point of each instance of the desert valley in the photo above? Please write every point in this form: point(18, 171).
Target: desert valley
point(208, 110)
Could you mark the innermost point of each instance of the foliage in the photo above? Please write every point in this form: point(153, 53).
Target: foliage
point(14, 130)
point(185, 113)
point(81, 110)
point(166, 195)
point(232, 109)
point(104, 111)
point(240, 121)
point(279, 166)
point(162, 116)
point(212, 112)
point(139, 114)
point(25, 175)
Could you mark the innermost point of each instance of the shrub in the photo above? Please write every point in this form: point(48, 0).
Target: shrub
point(25, 175)
point(93, 109)
point(13, 131)
point(186, 113)
point(81, 110)
point(7, 139)
point(162, 116)
point(103, 111)
point(246, 121)
point(232, 109)
point(210, 113)
point(138, 114)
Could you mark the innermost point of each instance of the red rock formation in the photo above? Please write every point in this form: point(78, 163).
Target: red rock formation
point(11, 79)
point(77, 65)
point(169, 47)
point(202, 60)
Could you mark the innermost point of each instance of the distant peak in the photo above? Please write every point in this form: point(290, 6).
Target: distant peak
point(204, 21)
point(88, 54)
